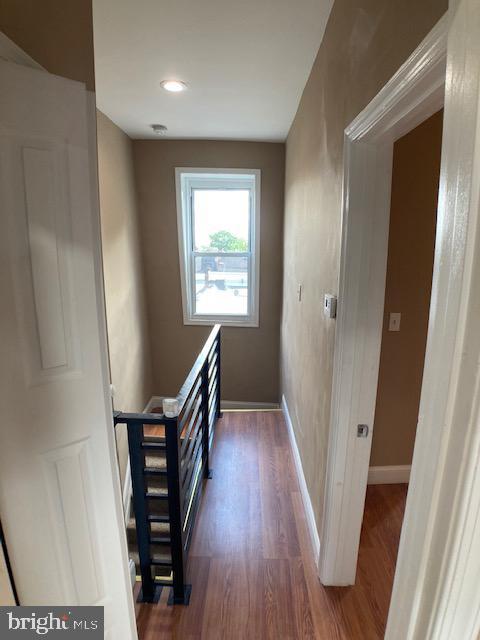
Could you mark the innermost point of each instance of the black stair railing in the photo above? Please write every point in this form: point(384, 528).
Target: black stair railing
point(180, 460)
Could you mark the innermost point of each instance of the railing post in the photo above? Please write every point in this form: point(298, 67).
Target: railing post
point(219, 374)
point(205, 427)
point(181, 592)
point(137, 463)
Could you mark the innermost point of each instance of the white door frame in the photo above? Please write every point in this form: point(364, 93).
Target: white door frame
point(413, 94)
point(436, 582)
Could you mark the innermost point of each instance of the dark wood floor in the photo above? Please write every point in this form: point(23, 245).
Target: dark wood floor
point(251, 561)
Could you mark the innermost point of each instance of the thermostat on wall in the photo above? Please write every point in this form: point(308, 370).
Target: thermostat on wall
point(330, 305)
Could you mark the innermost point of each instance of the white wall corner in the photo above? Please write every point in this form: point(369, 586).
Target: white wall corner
point(393, 474)
point(307, 503)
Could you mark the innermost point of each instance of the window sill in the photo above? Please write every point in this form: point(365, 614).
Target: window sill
point(250, 323)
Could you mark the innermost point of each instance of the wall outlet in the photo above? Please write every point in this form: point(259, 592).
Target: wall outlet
point(394, 322)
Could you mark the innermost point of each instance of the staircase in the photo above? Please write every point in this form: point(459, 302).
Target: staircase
point(167, 472)
point(156, 470)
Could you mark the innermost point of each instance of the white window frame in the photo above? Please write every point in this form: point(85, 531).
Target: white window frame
point(186, 179)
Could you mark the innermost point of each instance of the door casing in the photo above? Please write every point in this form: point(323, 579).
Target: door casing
point(435, 592)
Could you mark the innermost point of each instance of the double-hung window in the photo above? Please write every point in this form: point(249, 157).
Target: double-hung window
point(219, 236)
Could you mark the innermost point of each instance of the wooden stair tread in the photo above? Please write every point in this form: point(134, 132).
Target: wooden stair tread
point(155, 462)
point(157, 492)
point(161, 559)
point(156, 528)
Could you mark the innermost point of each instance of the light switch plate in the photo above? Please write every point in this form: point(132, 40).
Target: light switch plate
point(394, 322)
point(330, 305)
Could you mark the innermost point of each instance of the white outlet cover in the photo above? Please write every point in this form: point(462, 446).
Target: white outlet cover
point(394, 322)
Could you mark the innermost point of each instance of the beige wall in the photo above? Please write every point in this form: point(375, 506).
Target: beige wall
point(57, 35)
point(250, 362)
point(130, 360)
point(411, 245)
point(365, 42)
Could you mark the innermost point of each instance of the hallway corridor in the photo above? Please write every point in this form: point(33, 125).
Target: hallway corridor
point(251, 562)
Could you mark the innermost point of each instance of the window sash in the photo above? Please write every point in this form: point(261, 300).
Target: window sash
point(193, 284)
point(217, 187)
point(214, 186)
point(188, 180)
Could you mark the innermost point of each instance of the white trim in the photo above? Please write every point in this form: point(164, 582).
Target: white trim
point(11, 52)
point(232, 405)
point(435, 594)
point(307, 503)
point(411, 96)
point(184, 241)
point(393, 474)
point(226, 405)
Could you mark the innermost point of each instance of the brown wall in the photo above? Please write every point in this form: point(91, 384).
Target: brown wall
point(250, 362)
point(411, 245)
point(57, 35)
point(130, 358)
point(364, 44)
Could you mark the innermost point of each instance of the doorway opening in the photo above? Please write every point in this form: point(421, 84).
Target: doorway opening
point(414, 94)
point(411, 247)
point(410, 260)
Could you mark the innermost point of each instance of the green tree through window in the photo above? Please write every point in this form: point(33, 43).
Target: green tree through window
point(226, 241)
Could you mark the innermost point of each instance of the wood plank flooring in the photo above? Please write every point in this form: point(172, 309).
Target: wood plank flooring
point(251, 562)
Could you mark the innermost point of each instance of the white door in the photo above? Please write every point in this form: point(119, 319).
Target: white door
point(60, 500)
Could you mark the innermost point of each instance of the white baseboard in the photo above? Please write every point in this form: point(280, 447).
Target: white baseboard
point(395, 474)
point(307, 503)
point(228, 405)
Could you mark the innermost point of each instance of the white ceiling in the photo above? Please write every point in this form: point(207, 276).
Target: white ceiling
point(245, 62)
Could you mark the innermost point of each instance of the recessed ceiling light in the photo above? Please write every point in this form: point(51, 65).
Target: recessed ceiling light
point(175, 86)
point(159, 129)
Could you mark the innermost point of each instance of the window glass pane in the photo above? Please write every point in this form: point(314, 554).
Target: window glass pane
point(221, 285)
point(221, 219)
